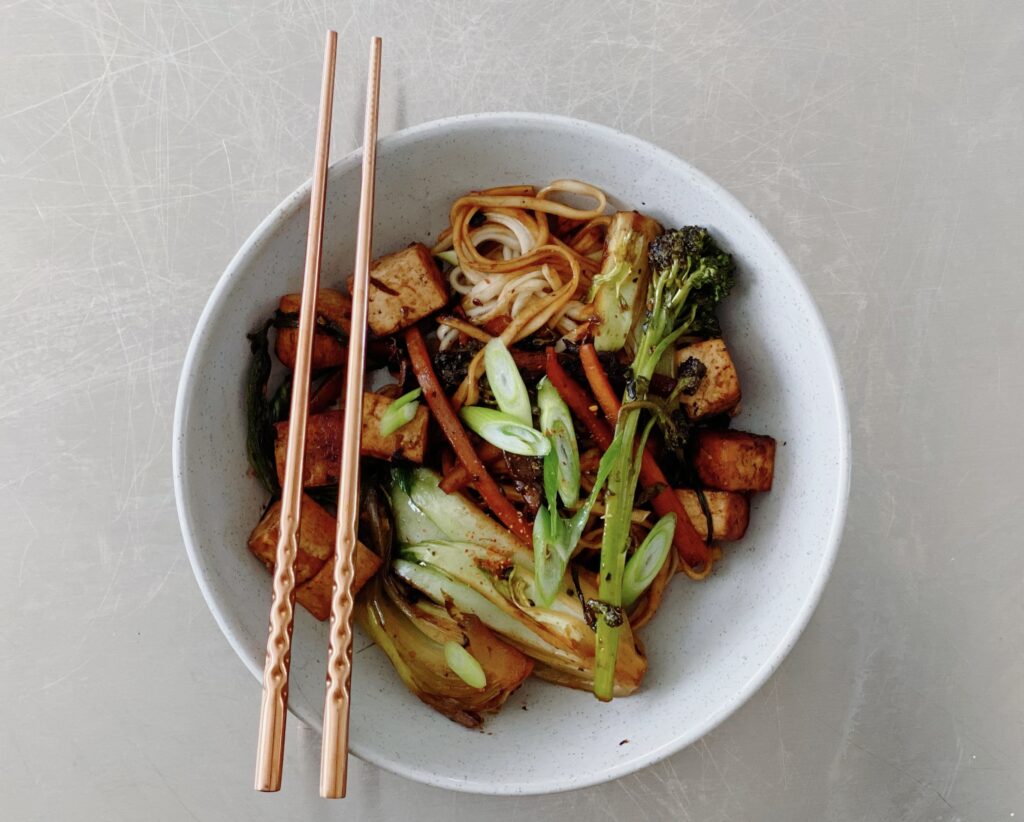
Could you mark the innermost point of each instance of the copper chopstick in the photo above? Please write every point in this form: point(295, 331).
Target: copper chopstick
point(274, 702)
point(334, 753)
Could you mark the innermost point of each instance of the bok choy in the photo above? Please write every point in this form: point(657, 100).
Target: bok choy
point(501, 590)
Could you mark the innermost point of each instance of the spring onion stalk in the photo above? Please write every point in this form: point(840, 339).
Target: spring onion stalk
point(556, 423)
point(646, 562)
point(505, 431)
point(400, 412)
point(506, 382)
point(464, 665)
point(689, 275)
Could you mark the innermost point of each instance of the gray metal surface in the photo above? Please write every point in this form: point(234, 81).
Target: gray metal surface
point(881, 143)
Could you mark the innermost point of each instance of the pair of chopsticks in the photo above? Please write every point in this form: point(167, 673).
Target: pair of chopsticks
point(274, 704)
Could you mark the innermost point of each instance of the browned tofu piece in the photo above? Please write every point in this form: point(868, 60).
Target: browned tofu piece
point(735, 460)
point(316, 538)
point(408, 442)
point(314, 561)
point(405, 287)
point(730, 513)
point(333, 310)
point(719, 390)
point(315, 595)
point(323, 441)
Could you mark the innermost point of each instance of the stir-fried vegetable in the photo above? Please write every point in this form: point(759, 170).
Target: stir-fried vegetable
point(400, 412)
point(259, 442)
point(689, 276)
point(564, 456)
point(617, 293)
point(464, 664)
point(416, 637)
point(501, 590)
point(505, 431)
point(506, 382)
point(643, 566)
point(425, 512)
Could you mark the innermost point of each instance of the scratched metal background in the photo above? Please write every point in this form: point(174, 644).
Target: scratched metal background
point(881, 142)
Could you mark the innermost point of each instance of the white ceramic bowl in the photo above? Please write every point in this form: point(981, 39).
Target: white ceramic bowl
point(712, 644)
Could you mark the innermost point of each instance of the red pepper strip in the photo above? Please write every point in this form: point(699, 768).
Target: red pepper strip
point(688, 542)
point(445, 415)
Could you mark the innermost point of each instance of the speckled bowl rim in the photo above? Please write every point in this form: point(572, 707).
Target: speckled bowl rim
point(443, 128)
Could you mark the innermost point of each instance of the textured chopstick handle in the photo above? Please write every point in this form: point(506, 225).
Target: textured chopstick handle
point(274, 703)
point(334, 753)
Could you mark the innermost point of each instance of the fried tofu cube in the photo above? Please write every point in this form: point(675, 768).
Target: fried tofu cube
point(314, 560)
point(315, 595)
point(323, 441)
point(730, 513)
point(719, 390)
point(405, 287)
point(735, 460)
point(316, 539)
point(334, 320)
point(408, 442)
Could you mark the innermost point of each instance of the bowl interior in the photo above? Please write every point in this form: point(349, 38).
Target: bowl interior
point(712, 644)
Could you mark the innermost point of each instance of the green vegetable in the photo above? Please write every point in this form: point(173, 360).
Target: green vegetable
point(259, 441)
point(448, 256)
point(415, 634)
point(556, 423)
point(550, 553)
point(411, 523)
point(424, 512)
point(281, 401)
point(506, 382)
point(501, 590)
point(400, 412)
point(505, 431)
point(646, 562)
point(617, 292)
point(464, 665)
point(689, 276)
point(555, 539)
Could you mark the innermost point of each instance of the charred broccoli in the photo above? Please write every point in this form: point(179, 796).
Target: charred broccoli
point(701, 272)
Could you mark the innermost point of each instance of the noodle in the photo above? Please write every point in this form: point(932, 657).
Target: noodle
point(512, 266)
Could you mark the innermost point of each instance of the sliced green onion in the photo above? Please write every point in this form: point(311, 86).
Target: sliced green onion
point(643, 566)
point(556, 422)
point(551, 480)
point(550, 555)
point(448, 256)
point(400, 412)
point(505, 432)
point(464, 664)
point(506, 382)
